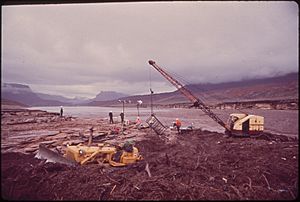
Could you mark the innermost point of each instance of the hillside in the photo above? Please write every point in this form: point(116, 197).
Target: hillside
point(276, 88)
point(62, 99)
point(9, 104)
point(24, 95)
point(283, 87)
point(108, 95)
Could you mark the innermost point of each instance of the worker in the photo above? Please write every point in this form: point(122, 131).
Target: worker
point(61, 111)
point(122, 117)
point(174, 124)
point(118, 154)
point(178, 124)
point(128, 146)
point(111, 120)
point(138, 120)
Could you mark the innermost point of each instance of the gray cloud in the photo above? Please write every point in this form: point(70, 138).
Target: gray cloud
point(81, 49)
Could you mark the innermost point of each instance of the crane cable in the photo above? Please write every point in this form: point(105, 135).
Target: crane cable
point(151, 92)
point(150, 79)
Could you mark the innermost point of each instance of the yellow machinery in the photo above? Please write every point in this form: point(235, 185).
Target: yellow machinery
point(81, 154)
point(114, 155)
point(244, 124)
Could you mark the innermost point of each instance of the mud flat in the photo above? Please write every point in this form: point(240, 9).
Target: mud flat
point(198, 165)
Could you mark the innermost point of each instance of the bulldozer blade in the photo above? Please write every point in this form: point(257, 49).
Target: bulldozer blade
point(51, 156)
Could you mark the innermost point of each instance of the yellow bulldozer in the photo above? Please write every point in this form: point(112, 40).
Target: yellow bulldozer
point(115, 155)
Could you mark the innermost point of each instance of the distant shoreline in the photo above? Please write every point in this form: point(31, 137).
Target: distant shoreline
point(282, 104)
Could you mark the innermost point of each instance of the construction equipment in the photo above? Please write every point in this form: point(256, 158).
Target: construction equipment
point(237, 124)
point(156, 125)
point(103, 153)
point(51, 156)
point(114, 155)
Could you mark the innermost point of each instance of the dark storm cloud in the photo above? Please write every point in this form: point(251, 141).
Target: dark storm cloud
point(83, 49)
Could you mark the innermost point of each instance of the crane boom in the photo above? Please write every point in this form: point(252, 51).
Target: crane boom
point(196, 101)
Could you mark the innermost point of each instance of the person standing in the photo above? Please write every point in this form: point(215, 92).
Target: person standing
point(122, 117)
point(178, 124)
point(111, 120)
point(61, 111)
point(138, 121)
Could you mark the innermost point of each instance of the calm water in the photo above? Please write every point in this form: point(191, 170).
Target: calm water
point(276, 121)
point(101, 112)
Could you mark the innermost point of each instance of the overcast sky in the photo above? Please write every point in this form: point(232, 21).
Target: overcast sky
point(82, 49)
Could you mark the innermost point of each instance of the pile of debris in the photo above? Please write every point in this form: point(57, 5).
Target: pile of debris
point(199, 165)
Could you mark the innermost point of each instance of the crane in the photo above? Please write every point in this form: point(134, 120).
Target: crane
point(240, 123)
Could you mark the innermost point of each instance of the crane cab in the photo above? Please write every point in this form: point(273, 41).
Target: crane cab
point(245, 124)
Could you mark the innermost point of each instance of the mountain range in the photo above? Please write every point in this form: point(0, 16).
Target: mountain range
point(24, 95)
point(275, 88)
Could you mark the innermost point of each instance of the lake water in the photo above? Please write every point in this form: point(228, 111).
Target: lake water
point(276, 121)
point(102, 112)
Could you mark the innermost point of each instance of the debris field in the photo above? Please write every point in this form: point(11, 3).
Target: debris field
point(197, 165)
point(200, 165)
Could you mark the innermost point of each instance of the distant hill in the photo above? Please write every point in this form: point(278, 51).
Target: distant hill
point(109, 95)
point(14, 103)
point(281, 87)
point(24, 95)
point(67, 101)
point(275, 88)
